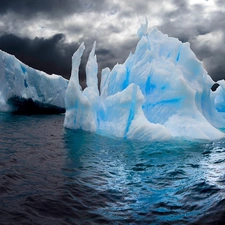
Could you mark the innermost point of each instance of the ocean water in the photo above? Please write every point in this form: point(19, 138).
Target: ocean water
point(51, 175)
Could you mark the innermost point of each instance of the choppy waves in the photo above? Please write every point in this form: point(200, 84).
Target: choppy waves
point(51, 175)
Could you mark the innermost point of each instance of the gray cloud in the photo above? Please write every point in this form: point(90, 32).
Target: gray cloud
point(30, 8)
point(105, 22)
point(220, 2)
point(53, 8)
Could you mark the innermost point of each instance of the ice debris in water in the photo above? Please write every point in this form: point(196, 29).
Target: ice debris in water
point(24, 88)
point(161, 91)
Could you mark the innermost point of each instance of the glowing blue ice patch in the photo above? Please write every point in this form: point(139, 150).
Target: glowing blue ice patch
point(23, 69)
point(25, 84)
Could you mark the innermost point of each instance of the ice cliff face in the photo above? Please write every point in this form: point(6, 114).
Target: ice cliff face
point(160, 91)
point(23, 88)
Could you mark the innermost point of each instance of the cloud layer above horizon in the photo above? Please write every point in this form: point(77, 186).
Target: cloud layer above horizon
point(44, 34)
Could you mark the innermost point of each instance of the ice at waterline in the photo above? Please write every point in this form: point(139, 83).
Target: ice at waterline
point(160, 92)
point(24, 89)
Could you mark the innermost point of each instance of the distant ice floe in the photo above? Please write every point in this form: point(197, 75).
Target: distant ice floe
point(24, 89)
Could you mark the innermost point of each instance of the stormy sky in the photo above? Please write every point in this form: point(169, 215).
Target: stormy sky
point(45, 34)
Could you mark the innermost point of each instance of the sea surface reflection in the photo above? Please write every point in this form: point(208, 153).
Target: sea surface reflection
point(52, 175)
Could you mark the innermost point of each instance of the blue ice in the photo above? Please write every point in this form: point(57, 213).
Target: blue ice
point(160, 92)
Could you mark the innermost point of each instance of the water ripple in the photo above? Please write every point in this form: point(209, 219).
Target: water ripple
point(50, 175)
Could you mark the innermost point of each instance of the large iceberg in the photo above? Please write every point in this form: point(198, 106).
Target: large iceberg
point(161, 91)
point(24, 89)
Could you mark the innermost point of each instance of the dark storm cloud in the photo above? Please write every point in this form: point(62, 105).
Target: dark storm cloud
point(50, 8)
point(51, 55)
point(29, 8)
point(112, 55)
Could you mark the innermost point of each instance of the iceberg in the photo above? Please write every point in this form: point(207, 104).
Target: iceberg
point(24, 89)
point(160, 92)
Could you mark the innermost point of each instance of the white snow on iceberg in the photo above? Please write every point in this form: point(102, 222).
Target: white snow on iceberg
point(24, 88)
point(160, 91)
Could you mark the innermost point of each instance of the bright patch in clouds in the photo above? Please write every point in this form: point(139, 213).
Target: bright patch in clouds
point(209, 5)
point(205, 2)
point(210, 40)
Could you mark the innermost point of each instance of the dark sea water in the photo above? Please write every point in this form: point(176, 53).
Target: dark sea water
point(51, 175)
